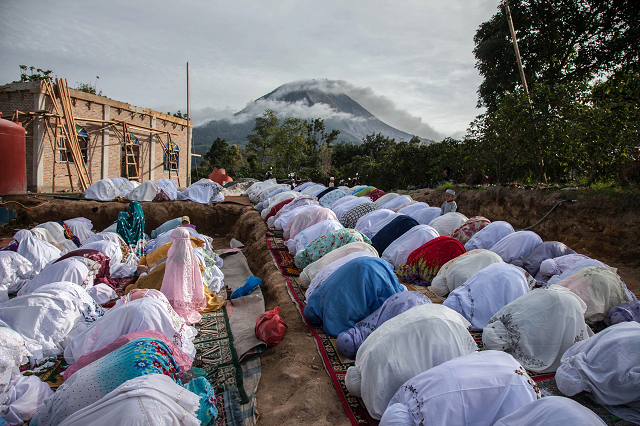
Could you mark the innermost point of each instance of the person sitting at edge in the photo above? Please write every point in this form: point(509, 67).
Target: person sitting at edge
point(449, 205)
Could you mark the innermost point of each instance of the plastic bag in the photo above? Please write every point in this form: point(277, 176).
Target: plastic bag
point(270, 328)
point(249, 285)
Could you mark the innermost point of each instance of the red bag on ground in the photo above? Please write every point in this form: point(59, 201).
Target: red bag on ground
point(270, 328)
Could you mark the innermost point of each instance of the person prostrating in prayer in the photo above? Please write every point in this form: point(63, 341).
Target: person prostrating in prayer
point(182, 282)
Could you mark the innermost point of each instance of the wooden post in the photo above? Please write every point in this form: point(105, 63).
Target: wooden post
point(188, 136)
point(515, 47)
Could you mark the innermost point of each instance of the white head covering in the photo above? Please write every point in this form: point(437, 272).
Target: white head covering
point(551, 411)
point(458, 270)
point(416, 340)
point(399, 250)
point(340, 208)
point(538, 328)
point(306, 237)
point(488, 291)
point(124, 185)
point(276, 199)
point(55, 230)
point(80, 227)
point(413, 208)
point(600, 288)
point(13, 268)
point(471, 390)
point(426, 215)
point(108, 248)
point(169, 187)
point(152, 312)
point(102, 190)
point(607, 366)
point(104, 236)
point(152, 399)
point(558, 265)
point(39, 253)
point(24, 396)
point(13, 354)
point(376, 227)
point(329, 269)
point(365, 223)
point(385, 199)
point(311, 270)
point(394, 202)
point(45, 318)
point(488, 236)
point(448, 222)
point(283, 220)
point(43, 234)
point(72, 269)
point(516, 245)
point(573, 269)
point(297, 202)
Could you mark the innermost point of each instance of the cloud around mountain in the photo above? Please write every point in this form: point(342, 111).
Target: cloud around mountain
point(326, 99)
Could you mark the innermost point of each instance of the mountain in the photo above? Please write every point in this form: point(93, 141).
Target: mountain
point(303, 100)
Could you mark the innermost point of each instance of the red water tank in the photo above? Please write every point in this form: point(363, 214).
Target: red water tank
point(13, 158)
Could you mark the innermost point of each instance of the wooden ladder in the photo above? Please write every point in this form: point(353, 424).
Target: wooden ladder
point(131, 159)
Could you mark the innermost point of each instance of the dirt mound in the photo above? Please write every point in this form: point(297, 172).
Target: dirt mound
point(605, 227)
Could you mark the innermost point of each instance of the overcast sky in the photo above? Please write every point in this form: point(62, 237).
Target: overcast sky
point(409, 62)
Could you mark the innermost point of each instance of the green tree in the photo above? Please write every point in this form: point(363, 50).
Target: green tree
point(262, 137)
point(217, 154)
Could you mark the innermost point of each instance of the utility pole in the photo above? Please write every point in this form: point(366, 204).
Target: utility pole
point(188, 133)
point(515, 47)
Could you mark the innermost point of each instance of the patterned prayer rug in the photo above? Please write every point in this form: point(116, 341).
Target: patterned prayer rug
point(51, 374)
point(216, 355)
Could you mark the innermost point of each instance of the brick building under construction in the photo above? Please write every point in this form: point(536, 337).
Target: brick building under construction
point(112, 138)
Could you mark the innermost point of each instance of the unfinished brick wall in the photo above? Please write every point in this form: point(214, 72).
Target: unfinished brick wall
point(23, 96)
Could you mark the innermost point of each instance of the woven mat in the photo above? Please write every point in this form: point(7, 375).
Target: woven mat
point(238, 199)
point(216, 355)
point(334, 363)
point(51, 375)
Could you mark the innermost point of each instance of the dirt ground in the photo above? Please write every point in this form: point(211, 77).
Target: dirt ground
point(294, 389)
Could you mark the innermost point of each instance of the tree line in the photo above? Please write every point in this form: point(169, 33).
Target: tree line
point(578, 123)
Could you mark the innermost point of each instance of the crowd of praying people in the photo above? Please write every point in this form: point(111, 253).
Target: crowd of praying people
point(539, 306)
point(129, 350)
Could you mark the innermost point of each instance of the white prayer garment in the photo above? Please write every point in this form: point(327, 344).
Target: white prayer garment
point(600, 288)
point(314, 268)
point(24, 396)
point(169, 187)
point(306, 237)
point(538, 328)
point(385, 199)
point(39, 253)
point(124, 185)
point(458, 270)
point(516, 245)
point(15, 270)
point(557, 265)
point(204, 191)
point(146, 191)
point(365, 223)
point(486, 292)
point(607, 366)
point(448, 222)
point(153, 399)
point(426, 215)
point(552, 411)
point(399, 250)
point(413, 208)
point(45, 318)
point(416, 340)
point(488, 236)
point(283, 221)
point(72, 269)
point(395, 202)
point(151, 312)
point(102, 190)
point(470, 390)
point(575, 267)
